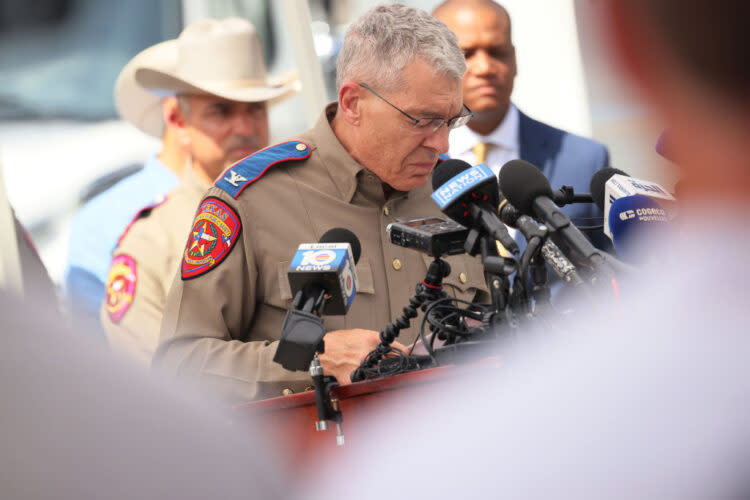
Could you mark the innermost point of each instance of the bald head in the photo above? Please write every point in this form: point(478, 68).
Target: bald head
point(450, 7)
point(482, 28)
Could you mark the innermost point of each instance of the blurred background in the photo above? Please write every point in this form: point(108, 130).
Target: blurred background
point(61, 141)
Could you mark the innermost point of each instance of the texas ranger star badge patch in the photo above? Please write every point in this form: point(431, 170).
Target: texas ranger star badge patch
point(214, 232)
point(120, 286)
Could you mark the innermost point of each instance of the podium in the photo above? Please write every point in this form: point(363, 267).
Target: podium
point(290, 420)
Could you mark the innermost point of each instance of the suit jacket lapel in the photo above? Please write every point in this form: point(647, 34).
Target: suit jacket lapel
point(533, 142)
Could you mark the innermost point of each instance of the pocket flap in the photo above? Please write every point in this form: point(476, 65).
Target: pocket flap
point(467, 273)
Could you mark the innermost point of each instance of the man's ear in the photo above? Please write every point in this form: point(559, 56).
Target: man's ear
point(174, 117)
point(172, 113)
point(350, 102)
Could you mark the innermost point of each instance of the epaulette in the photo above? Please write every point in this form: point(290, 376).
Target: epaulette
point(443, 157)
point(143, 212)
point(250, 169)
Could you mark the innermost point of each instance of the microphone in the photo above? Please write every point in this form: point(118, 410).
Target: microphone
point(322, 278)
point(470, 195)
point(610, 184)
point(598, 180)
point(631, 218)
point(325, 270)
point(526, 187)
point(551, 253)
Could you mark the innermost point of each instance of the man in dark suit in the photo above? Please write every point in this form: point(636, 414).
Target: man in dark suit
point(499, 132)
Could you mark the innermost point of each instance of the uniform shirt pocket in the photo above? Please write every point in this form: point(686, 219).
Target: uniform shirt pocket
point(466, 280)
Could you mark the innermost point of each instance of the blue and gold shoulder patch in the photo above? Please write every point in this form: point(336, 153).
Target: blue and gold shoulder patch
point(246, 171)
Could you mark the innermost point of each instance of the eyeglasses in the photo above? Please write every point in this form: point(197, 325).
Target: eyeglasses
point(429, 125)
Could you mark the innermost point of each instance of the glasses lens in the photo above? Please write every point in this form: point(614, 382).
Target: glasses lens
point(429, 124)
point(459, 122)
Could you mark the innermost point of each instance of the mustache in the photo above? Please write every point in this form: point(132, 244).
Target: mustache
point(243, 141)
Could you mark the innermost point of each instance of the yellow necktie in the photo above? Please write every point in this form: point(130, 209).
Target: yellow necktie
point(480, 151)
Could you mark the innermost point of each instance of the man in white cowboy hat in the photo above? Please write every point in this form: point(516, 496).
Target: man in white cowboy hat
point(222, 89)
point(367, 162)
point(100, 222)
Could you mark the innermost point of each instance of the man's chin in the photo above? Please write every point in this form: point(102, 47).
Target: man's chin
point(411, 183)
point(486, 103)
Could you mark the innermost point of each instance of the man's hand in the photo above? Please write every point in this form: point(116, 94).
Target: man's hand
point(345, 350)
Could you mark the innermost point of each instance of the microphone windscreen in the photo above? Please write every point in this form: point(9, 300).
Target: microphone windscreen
point(598, 182)
point(342, 235)
point(447, 170)
point(521, 183)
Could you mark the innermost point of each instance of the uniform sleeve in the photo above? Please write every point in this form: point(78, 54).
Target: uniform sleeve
point(132, 328)
point(208, 320)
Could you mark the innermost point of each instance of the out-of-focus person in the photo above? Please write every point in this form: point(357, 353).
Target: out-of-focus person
point(99, 223)
point(499, 132)
point(367, 162)
point(653, 403)
point(221, 117)
point(77, 423)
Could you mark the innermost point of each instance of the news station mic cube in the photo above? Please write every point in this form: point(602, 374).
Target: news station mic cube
point(621, 186)
point(330, 266)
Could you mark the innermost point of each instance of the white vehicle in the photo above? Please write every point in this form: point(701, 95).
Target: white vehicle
point(61, 141)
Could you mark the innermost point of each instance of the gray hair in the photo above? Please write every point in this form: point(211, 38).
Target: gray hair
point(385, 39)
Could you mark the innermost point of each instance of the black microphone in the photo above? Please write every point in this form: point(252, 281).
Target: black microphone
point(470, 195)
point(551, 253)
point(598, 183)
point(323, 279)
point(526, 187)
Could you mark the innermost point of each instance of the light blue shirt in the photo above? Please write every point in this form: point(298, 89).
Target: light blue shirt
point(96, 229)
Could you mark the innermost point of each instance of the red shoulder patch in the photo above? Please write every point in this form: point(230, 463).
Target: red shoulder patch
point(120, 286)
point(214, 233)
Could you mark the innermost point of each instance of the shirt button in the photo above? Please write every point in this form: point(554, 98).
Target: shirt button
point(396, 264)
point(287, 392)
point(462, 277)
point(386, 211)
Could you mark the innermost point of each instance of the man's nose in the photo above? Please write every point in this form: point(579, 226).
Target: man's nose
point(438, 140)
point(245, 124)
point(480, 63)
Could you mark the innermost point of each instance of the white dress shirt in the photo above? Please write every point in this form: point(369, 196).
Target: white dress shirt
point(504, 142)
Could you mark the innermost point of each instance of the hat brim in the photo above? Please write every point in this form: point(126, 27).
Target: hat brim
point(165, 83)
point(136, 104)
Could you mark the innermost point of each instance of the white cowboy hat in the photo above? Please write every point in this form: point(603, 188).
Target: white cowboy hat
point(222, 58)
point(136, 104)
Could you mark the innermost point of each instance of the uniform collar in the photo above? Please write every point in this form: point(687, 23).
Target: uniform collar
point(342, 168)
point(505, 135)
point(348, 175)
point(191, 181)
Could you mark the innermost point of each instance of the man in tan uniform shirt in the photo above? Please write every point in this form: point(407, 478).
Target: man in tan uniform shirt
point(217, 126)
point(363, 165)
point(151, 250)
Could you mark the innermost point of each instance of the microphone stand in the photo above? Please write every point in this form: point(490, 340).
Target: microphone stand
point(540, 290)
point(498, 270)
point(302, 337)
point(429, 290)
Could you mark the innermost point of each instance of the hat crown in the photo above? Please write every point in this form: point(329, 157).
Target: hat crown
point(226, 50)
